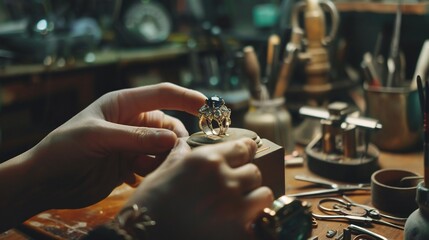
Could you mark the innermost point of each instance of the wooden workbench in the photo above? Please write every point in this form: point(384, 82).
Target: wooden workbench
point(73, 224)
point(407, 161)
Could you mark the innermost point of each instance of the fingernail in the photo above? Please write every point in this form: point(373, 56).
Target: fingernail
point(165, 137)
point(252, 145)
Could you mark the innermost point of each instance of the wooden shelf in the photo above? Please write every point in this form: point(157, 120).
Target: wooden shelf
point(102, 58)
point(418, 8)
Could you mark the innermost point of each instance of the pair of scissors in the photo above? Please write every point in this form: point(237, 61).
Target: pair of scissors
point(351, 211)
point(373, 212)
point(332, 188)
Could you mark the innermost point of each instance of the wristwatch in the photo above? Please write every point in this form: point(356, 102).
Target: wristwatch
point(287, 218)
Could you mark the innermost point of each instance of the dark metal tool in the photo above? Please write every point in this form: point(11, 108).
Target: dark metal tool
point(393, 62)
point(373, 212)
point(355, 228)
point(356, 219)
point(333, 188)
point(337, 152)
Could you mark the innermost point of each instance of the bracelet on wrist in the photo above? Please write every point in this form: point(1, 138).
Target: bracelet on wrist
point(132, 222)
point(135, 221)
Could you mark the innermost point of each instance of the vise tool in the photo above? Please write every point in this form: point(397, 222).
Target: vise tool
point(340, 151)
point(316, 39)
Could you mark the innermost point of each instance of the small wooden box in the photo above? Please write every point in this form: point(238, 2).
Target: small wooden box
point(270, 160)
point(269, 157)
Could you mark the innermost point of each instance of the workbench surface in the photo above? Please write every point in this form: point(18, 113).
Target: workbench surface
point(73, 224)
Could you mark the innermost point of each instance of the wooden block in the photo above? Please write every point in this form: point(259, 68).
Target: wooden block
point(269, 156)
point(270, 160)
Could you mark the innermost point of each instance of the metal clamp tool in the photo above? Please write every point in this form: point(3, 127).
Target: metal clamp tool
point(316, 38)
point(337, 153)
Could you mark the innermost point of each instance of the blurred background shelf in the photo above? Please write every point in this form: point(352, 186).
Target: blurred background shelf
point(35, 98)
point(418, 8)
point(101, 58)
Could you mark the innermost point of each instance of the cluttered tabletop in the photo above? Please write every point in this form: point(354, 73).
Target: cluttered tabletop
point(74, 224)
point(334, 228)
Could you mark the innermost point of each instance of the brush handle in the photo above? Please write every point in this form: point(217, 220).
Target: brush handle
point(252, 70)
point(422, 65)
point(426, 161)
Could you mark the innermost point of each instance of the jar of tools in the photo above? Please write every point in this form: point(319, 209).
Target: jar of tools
point(398, 110)
point(270, 119)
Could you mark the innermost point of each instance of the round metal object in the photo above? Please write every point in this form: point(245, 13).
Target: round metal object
point(148, 21)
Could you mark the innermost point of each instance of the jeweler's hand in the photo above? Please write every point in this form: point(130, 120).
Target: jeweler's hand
point(211, 192)
point(82, 161)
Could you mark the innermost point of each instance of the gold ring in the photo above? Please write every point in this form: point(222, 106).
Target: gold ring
point(214, 111)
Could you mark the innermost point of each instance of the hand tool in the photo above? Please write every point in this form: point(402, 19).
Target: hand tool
point(333, 188)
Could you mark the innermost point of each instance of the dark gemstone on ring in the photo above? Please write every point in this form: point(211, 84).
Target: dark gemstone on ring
point(215, 102)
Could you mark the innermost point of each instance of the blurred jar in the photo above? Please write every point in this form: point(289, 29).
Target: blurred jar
point(271, 120)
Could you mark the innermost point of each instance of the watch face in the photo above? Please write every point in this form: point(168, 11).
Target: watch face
point(148, 20)
point(287, 218)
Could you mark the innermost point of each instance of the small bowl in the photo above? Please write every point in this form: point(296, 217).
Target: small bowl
point(391, 195)
point(364, 237)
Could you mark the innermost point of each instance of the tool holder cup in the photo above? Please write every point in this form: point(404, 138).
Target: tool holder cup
point(341, 152)
point(271, 120)
point(398, 110)
point(416, 227)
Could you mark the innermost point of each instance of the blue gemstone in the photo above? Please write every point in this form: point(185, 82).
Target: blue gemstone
point(215, 102)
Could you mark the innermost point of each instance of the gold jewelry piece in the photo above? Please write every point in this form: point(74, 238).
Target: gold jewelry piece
point(214, 110)
point(135, 221)
point(131, 223)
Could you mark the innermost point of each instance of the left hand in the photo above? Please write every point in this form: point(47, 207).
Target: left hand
point(120, 134)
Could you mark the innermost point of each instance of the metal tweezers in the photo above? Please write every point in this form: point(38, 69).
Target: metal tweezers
point(356, 219)
point(332, 187)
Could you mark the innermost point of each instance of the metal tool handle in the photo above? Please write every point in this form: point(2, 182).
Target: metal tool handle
point(315, 112)
point(314, 193)
point(363, 122)
point(345, 217)
point(316, 181)
point(391, 224)
point(393, 62)
point(366, 231)
point(373, 212)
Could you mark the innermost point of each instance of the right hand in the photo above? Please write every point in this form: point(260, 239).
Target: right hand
point(211, 192)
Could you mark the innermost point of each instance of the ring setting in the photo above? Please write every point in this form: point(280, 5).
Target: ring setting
point(214, 111)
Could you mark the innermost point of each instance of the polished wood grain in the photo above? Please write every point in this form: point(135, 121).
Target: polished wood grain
point(74, 224)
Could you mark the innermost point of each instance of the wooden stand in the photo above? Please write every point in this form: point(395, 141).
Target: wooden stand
point(269, 157)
